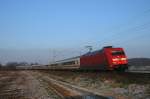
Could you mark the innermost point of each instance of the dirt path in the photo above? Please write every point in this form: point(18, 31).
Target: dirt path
point(21, 85)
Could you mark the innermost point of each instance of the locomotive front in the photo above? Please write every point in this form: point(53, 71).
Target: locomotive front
point(116, 58)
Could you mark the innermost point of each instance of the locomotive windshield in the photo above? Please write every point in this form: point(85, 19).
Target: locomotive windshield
point(118, 53)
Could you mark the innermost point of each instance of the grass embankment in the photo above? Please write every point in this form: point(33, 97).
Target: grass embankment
point(136, 86)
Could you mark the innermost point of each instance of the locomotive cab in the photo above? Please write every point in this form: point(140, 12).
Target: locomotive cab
point(116, 58)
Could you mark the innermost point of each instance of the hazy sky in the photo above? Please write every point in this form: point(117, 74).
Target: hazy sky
point(36, 30)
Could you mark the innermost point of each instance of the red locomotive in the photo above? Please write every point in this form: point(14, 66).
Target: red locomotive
point(108, 58)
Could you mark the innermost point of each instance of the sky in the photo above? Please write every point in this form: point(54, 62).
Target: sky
point(47, 30)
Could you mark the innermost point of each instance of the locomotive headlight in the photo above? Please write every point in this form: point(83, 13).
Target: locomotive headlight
point(114, 62)
point(123, 58)
point(118, 59)
point(115, 59)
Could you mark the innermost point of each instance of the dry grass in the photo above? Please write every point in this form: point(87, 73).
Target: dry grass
point(135, 86)
point(20, 85)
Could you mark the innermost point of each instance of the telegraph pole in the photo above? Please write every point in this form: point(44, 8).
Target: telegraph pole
point(54, 55)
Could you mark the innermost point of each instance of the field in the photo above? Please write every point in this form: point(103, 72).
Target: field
point(20, 85)
point(30, 84)
point(118, 85)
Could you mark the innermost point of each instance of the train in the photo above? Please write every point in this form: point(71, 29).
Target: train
point(107, 58)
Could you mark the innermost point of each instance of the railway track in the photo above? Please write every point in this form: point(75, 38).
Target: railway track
point(67, 91)
point(136, 71)
point(131, 77)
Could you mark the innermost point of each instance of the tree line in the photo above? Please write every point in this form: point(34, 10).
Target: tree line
point(13, 65)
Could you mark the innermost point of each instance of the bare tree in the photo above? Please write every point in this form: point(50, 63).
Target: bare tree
point(11, 65)
point(36, 63)
point(23, 64)
point(0, 66)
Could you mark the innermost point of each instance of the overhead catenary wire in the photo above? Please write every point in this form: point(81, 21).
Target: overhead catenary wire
point(119, 34)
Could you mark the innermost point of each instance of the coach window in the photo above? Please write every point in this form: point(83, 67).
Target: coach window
point(77, 62)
